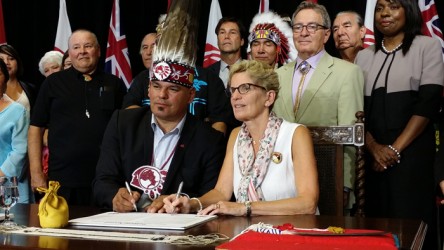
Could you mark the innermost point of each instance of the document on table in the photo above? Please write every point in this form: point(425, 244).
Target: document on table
point(143, 220)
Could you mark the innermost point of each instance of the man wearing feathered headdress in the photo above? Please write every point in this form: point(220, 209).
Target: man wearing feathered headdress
point(270, 40)
point(158, 147)
point(209, 103)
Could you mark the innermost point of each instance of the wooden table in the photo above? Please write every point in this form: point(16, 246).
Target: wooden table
point(411, 233)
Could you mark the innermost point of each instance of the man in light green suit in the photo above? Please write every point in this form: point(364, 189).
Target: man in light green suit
point(318, 89)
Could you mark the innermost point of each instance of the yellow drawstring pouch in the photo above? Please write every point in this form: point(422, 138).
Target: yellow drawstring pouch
point(53, 209)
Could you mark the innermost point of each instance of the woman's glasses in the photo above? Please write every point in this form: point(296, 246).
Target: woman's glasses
point(242, 89)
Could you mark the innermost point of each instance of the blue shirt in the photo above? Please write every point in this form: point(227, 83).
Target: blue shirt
point(165, 144)
point(14, 124)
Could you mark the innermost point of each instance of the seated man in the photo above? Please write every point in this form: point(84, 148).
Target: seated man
point(156, 148)
point(209, 104)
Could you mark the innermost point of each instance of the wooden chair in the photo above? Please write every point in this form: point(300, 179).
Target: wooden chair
point(329, 144)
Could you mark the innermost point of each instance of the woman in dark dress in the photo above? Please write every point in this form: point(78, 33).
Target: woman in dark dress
point(403, 85)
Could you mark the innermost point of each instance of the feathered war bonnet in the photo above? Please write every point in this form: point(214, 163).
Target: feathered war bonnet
point(174, 56)
point(271, 26)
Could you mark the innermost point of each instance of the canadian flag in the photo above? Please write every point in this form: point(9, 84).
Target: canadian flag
point(63, 29)
point(369, 37)
point(212, 53)
point(2, 26)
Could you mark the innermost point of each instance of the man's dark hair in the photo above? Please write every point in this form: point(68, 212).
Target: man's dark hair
point(238, 22)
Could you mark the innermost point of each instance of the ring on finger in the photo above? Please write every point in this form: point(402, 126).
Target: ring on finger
point(217, 206)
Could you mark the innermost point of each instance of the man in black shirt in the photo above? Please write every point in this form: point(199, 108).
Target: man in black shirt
point(75, 105)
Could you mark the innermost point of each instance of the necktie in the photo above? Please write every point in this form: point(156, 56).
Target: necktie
point(304, 67)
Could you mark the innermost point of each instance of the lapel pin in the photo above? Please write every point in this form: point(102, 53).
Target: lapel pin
point(276, 157)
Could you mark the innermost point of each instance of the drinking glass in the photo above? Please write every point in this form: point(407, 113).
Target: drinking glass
point(9, 196)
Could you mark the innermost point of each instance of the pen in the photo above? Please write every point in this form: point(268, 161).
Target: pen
point(129, 191)
point(179, 190)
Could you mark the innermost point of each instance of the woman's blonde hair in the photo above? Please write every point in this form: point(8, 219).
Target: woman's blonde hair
point(261, 74)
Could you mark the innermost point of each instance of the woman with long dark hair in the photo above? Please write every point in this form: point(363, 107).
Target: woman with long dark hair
point(403, 85)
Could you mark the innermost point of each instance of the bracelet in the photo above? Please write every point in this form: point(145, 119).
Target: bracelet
point(396, 151)
point(200, 203)
point(248, 206)
point(186, 195)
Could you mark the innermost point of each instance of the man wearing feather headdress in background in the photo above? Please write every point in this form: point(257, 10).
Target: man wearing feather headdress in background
point(270, 40)
point(158, 147)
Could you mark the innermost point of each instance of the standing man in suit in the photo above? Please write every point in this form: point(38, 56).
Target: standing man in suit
point(230, 38)
point(134, 98)
point(318, 89)
point(156, 148)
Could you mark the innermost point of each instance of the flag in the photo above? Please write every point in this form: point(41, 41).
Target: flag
point(369, 37)
point(63, 29)
point(264, 6)
point(212, 53)
point(169, 4)
point(117, 61)
point(2, 26)
point(430, 18)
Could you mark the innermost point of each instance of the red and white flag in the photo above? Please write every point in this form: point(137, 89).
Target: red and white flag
point(212, 53)
point(2, 26)
point(63, 29)
point(264, 6)
point(430, 18)
point(117, 61)
point(369, 37)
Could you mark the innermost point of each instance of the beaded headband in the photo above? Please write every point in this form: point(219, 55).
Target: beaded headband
point(174, 56)
point(271, 26)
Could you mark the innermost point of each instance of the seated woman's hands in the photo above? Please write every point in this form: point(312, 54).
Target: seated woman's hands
point(225, 207)
point(185, 205)
point(173, 205)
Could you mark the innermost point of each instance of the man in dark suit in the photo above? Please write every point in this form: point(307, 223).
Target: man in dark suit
point(140, 82)
point(156, 149)
point(230, 38)
point(210, 102)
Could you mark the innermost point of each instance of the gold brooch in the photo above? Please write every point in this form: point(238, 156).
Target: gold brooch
point(276, 157)
point(87, 77)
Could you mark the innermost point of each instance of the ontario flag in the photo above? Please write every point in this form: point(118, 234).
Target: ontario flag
point(63, 29)
point(117, 61)
point(2, 26)
point(212, 53)
point(369, 37)
point(264, 6)
point(431, 24)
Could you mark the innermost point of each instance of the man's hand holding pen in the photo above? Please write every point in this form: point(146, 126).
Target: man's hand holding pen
point(124, 201)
